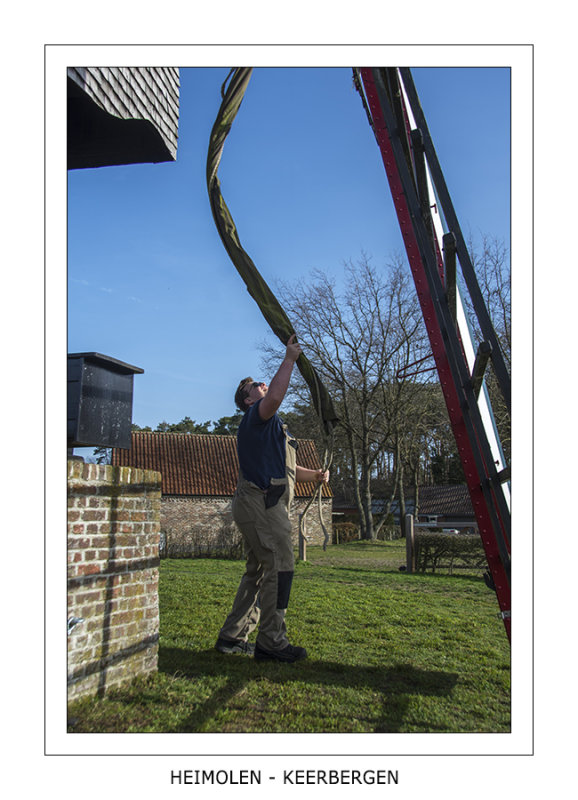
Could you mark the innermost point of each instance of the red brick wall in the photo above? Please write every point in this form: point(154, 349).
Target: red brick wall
point(113, 558)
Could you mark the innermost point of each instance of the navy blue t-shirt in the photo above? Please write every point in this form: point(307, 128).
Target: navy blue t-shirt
point(261, 447)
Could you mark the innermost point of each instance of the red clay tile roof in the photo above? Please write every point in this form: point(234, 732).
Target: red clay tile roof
point(193, 464)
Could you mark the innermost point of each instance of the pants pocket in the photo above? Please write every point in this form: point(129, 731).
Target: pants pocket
point(246, 505)
point(274, 494)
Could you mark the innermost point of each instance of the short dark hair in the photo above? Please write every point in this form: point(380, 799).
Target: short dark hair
point(241, 393)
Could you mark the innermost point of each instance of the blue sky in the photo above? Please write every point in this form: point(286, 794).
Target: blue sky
point(149, 281)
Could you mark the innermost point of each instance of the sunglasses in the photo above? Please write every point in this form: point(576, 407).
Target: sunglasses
point(252, 385)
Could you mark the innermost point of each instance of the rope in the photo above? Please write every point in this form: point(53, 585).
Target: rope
point(329, 438)
point(232, 93)
point(271, 309)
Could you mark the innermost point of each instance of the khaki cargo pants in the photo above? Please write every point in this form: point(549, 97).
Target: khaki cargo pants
point(263, 594)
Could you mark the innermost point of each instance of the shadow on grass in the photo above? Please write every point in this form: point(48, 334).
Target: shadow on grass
point(467, 575)
point(395, 685)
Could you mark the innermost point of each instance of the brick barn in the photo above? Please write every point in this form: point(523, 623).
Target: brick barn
point(199, 476)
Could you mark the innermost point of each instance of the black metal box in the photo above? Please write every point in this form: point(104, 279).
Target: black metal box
point(100, 392)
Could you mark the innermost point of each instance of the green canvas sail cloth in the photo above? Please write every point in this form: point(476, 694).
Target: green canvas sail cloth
point(257, 287)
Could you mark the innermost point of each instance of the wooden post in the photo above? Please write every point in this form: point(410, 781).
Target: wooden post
point(409, 543)
point(482, 357)
point(302, 547)
point(449, 245)
point(302, 538)
point(422, 187)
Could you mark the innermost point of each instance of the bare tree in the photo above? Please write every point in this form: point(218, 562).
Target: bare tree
point(491, 262)
point(492, 266)
point(362, 340)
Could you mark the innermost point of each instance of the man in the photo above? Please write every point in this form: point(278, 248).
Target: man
point(267, 473)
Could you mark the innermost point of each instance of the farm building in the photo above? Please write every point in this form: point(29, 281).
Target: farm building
point(447, 506)
point(199, 476)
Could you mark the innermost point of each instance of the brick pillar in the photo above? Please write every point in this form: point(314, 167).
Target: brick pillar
point(113, 561)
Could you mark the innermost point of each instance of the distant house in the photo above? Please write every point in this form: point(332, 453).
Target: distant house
point(438, 507)
point(199, 475)
point(446, 507)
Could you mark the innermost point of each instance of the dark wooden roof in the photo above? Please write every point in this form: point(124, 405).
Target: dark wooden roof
point(202, 465)
point(448, 500)
point(444, 500)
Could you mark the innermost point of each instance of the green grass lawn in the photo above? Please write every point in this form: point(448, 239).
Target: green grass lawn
point(388, 652)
